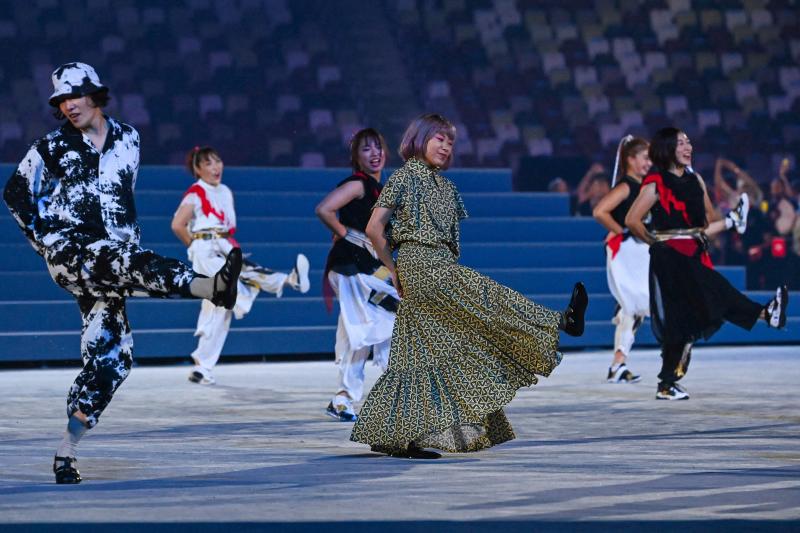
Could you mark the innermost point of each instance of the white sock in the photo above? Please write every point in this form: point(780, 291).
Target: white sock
point(73, 434)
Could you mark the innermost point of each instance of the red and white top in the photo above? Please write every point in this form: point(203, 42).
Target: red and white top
point(213, 207)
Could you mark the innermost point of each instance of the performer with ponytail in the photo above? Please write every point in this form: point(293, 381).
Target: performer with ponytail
point(206, 222)
point(627, 258)
point(367, 299)
point(689, 300)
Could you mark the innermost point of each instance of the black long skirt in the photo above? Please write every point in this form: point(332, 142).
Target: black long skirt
point(690, 301)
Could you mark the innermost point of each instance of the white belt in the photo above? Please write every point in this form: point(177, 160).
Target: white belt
point(360, 239)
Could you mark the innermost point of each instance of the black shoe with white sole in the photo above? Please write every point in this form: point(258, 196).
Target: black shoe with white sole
point(66, 471)
point(671, 391)
point(622, 375)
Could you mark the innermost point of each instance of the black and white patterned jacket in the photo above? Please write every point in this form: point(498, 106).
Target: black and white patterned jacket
point(65, 189)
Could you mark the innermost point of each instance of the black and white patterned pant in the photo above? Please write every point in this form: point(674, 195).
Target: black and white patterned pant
point(101, 275)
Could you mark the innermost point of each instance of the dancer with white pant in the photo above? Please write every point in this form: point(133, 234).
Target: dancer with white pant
point(627, 258)
point(367, 300)
point(206, 222)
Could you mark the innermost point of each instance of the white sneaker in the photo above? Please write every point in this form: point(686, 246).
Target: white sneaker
point(298, 277)
point(622, 375)
point(202, 378)
point(776, 309)
point(738, 215)
point(341, 409)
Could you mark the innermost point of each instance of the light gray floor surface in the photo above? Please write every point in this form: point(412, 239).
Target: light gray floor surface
point(257, 447)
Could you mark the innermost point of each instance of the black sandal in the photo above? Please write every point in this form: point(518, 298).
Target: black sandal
point(574, 322)
point(66, 474)
point(228, 274)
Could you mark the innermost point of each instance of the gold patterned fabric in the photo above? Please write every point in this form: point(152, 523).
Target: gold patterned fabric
point(462, 344)
point(427, 207)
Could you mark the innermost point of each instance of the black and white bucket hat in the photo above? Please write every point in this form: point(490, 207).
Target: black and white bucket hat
point(72, 80)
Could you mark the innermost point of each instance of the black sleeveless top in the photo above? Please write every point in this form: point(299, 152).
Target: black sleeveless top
point(345, 257)
point(680, 202)
point(357, 212)
point(619, 212)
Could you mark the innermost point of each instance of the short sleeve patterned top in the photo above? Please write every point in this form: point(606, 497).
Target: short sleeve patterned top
point(427, 207)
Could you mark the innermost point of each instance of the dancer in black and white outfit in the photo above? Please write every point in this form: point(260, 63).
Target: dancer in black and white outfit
point(689, 300)
point(206, 222)
point(367, 300)
point(627, 258)
point(72, 196)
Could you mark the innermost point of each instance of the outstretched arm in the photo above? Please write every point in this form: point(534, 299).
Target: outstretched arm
point(783, 171)
point(582, 190)
point(721, 187)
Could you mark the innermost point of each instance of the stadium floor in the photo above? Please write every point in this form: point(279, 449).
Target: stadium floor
point(256, 450)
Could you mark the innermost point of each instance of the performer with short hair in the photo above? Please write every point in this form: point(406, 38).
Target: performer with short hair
point(72, 196)
point(367, 300)
point(206, 222)
point(689, 300)
point(628, 258)
point(463, 344)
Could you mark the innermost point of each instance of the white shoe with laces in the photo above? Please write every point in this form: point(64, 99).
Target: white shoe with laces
point(298, 277)
point(776, 309)
point(738, 215)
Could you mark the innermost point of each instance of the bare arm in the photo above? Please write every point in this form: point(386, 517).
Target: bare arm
point(586, 181)
point(180, 223)
point(641, 206)
point(336, 199)
point(376, 231)
point(748, 183)
point(782, 174)
point(721, 187)
point(603, 209)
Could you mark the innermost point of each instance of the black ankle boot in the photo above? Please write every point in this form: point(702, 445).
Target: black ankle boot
point(66, 473)
point(229, 275)
point(573, 321)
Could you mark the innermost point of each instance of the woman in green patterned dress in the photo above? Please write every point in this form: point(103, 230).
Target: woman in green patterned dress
point(462, 344)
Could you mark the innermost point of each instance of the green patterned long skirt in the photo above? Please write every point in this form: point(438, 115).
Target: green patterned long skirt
point(462, 346)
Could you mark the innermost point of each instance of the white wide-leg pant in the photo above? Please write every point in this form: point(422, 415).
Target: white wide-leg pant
point(213, 324)
point(628, 273)
point(362, 326)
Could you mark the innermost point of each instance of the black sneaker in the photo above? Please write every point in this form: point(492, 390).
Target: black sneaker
point(229, 276)
point(574, 314)
point(622, 375)
point(67, 472)
point(671, 392)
